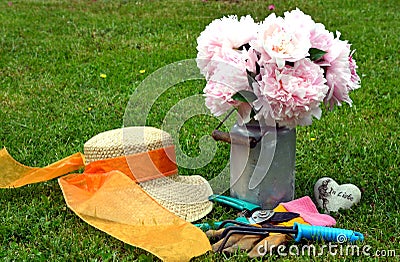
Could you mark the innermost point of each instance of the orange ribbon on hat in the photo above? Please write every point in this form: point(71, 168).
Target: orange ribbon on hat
point(109, 199)
point(142, 166)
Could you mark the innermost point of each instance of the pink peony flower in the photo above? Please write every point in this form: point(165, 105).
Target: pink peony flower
point(231, 73)
point(230, 58)
point(250, 59)
point(221, 37)
point(321, 39)
point(278, 41)
point(355, 79)
point(271, 7)
point(226, 81)
point(338, 74)
point(219, 97)
point(296, 20)
point(288, 87)
point(293, 93)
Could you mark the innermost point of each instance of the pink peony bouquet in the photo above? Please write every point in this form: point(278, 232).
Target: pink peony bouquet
point(280, 70)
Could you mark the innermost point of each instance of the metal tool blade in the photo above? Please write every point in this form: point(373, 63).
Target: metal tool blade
point(283, 216)
point(261, 216)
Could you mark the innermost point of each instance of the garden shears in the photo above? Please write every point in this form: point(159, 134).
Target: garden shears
point(251, 213)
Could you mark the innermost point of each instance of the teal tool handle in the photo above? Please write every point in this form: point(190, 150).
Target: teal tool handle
point(215, 225)
point(207, 226)
point(234, 202)
point(328, 234)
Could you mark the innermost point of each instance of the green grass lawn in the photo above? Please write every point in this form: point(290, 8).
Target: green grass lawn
point(53, 100)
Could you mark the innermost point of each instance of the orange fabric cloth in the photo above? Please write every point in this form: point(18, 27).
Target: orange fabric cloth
point(14, 174)
point(108, 198)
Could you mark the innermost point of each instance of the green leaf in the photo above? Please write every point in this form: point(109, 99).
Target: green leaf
point(251, 78)
point(244, 96)
point(316, 53)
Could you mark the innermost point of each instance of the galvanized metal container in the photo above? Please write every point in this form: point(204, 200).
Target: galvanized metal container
point(264, 174)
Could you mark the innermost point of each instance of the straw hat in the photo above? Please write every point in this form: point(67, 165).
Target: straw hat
point(185, 196)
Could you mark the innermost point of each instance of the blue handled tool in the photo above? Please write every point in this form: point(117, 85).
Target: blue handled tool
point(328, 234)
point(299, 231)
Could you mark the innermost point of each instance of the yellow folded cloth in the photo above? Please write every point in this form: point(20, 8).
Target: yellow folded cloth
point(290, 223)
point(115, 204)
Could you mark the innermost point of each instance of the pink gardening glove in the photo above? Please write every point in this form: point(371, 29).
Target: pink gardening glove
point(308, 211)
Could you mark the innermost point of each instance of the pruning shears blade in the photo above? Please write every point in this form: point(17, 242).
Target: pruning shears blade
point(261, 216)
point(283, 216)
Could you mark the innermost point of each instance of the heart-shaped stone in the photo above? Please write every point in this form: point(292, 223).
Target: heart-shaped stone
point(331, 197)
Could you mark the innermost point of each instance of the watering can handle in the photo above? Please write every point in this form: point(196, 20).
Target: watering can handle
point(231, 138)
point(221, 136)
point(236, 139)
